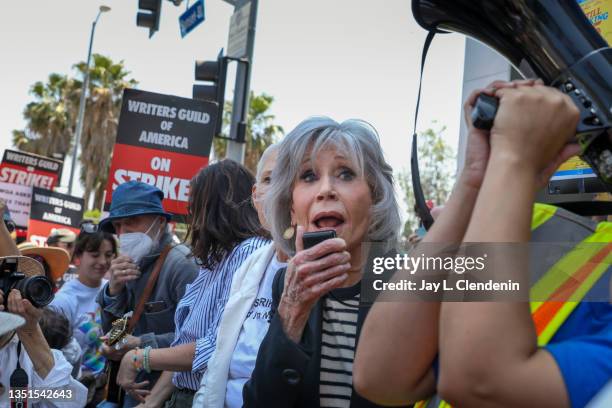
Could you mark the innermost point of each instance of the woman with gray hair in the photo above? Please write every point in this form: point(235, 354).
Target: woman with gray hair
point(328, 176)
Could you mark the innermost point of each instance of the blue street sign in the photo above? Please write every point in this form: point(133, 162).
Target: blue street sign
point(192, 17)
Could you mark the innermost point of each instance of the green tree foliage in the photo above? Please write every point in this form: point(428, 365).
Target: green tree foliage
point(93, 215)
point(51, 119)
point(261, 130)
point(436, 167)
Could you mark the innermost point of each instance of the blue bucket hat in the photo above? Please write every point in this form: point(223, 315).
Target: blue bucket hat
point(131, 199)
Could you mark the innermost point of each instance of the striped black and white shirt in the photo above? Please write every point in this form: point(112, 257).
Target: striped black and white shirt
point(340, 311)
point(198, 314)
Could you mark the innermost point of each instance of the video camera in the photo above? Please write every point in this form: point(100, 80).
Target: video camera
point(37, 289)
point(555, 41)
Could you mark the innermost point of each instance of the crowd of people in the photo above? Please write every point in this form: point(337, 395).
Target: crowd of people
point(243, 313)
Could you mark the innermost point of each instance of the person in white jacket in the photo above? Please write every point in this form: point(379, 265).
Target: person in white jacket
point(23, 345)
point(246, 317)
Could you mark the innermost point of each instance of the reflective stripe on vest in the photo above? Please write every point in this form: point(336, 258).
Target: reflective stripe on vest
point(434, 401)
point(570, 278)
point(541, 214)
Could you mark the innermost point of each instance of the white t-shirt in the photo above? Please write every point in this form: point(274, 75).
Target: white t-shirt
point(251, 335)
point(78, 303)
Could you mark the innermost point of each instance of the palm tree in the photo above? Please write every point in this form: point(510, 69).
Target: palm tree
point(50, 119)
point(261, 131)
point(107, 81)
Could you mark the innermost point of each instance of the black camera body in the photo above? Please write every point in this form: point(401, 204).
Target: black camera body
point(37, 289)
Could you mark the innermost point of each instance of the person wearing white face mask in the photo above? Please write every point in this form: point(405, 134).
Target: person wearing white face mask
point(137, 245)
point(138, 218)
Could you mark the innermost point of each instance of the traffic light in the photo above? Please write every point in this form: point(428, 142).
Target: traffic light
point(215, 72)
point(148, 15)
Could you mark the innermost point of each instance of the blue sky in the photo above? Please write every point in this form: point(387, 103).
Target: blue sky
point(341, 58)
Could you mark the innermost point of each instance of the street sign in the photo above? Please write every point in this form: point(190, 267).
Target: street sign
point(162, 140)
point(238, 33)
point(191, 18)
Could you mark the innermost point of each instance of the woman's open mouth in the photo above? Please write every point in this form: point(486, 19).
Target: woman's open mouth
point(328, 220)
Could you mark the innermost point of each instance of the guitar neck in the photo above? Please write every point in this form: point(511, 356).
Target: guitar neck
point(114, 393)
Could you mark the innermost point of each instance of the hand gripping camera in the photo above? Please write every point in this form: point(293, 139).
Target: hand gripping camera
point(25, 275)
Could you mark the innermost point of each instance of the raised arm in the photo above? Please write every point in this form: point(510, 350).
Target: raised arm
point(527, 144)
point(393, 361)
point(399, 339)
point(30, 334)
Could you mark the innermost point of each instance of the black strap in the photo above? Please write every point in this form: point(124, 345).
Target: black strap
point(421, 207)
point(18, 353)
point(19, 380)
point(148, 290)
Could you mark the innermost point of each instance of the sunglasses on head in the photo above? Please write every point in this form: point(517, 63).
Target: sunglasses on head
point(89, 227)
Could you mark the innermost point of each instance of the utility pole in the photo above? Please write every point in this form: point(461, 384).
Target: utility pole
point(83, 100)
point(236, 146)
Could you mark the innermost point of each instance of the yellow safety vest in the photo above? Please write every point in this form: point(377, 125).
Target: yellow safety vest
point(570, 278)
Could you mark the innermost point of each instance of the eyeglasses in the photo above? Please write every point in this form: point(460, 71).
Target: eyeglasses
point(89, 227)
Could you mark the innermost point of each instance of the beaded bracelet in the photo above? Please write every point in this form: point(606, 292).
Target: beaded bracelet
point(138, 363)
point(146, 360)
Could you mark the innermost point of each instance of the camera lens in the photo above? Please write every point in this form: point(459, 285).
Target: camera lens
point(37, 289)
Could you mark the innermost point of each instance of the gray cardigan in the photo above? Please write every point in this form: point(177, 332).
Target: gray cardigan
point(155, 327)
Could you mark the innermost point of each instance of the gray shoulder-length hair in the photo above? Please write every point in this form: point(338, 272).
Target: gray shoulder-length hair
point(359, 141)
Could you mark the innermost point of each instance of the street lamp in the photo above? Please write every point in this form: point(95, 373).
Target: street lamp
point(79, 124)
